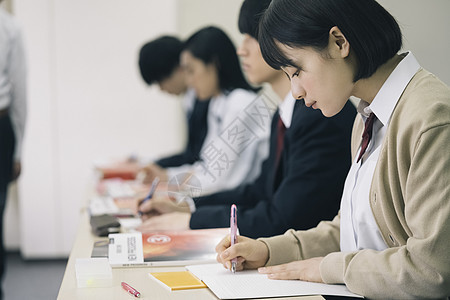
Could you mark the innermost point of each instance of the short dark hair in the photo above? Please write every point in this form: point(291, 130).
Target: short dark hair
point(159, 58)
point(373, 33)
point(212, 45)
point(250, 14)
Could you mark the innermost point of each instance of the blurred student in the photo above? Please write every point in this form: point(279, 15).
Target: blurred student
point(13, 108)
point(391, 238)
point(159, 62)
point(236, 145)
point(306, 149)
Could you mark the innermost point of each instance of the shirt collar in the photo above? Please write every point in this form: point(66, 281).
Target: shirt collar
point(286, 109)
point(387, 97)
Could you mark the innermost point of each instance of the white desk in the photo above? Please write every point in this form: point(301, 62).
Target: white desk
point(136, 277)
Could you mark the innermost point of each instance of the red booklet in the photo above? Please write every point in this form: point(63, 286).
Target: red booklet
point(118, 169)
point(186, 245)
point(165, 248)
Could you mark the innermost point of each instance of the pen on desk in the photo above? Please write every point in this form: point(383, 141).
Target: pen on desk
point(233, 234)
point(130, 290)
point(150, 194)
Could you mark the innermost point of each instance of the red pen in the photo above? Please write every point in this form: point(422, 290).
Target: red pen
point(130, 290)
point(233, 234)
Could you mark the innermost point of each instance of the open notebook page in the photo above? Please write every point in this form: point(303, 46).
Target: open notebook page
point(251, 284)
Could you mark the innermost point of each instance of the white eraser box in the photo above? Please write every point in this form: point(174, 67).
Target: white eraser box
point(93, 272)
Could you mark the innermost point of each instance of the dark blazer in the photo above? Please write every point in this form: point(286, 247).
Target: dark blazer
point(197, 129)
point(305, 189)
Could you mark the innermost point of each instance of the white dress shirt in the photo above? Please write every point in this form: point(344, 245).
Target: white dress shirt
point(358, 227)
point(13, 76)
point(236, 144)
point(286, 109)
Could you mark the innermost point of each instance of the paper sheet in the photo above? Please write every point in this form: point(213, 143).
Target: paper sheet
point(251, 284)
point(102, 205)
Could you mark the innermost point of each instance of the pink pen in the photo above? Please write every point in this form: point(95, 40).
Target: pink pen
point(130, 290)
point(233, 234)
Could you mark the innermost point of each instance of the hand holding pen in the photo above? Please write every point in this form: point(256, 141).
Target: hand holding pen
point(250, 253)
point(150, 194)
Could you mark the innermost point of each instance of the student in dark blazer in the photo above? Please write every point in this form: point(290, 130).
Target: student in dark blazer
point(316, 150)
point(289, 191)
point(159, 62)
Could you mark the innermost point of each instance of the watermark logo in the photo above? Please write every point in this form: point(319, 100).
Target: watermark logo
point(246, 132)
point(184, 185)
point(238, 135)
point(261, 110)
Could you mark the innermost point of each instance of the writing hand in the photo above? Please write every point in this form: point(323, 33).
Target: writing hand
point(160, 205)
point(306, 270)
point(250, 253)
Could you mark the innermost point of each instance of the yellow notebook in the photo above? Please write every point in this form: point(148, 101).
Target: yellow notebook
point(178, 280)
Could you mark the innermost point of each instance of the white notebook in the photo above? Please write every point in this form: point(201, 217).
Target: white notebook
point(251, 284)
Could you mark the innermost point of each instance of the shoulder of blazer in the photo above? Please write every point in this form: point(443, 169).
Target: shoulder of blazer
point(304, 116)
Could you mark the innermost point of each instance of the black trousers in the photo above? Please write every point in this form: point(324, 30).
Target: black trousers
point(7, 145)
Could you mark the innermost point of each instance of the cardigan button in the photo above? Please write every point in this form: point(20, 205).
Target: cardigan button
point(392, 239)
point(374, 198)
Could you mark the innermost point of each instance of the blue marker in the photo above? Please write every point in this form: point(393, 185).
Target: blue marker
point(150, 194)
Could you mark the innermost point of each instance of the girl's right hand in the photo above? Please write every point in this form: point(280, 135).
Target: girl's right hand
point(250, 253)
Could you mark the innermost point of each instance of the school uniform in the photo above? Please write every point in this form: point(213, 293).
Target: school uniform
point(407, 196)
point(234, 148)
point(298, 192)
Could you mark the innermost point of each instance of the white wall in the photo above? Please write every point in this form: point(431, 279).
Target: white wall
point(425, 26)
point(86, 98)
point(195, 14)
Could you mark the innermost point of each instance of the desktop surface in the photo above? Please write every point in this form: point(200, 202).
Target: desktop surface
point(137, 277)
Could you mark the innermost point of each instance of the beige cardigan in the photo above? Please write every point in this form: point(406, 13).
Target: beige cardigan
point(410, 200)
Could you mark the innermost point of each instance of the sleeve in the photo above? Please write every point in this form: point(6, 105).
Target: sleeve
point(248, 194)
point(297, 245)
point(214, 210)
point(17, 74)
point(242, 195)
point(176, 160)
point(235, 155)
point(421, 267)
